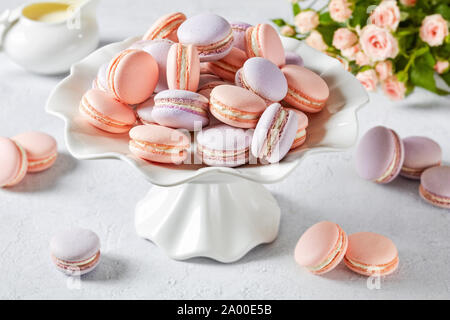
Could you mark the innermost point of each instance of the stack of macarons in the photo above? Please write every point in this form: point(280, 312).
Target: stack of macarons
point(324, 245)
point(204, 74)
point(30, 151)
point(382, 155)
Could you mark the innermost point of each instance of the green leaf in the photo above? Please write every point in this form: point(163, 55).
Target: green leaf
point(325, 19)
point(279, 22)
point(327, 33)
point(428, 59)
point(359, 16)
point(446, 77)
point(444, 10)
point(295, 9)
point(402, 76)
point(423, 76)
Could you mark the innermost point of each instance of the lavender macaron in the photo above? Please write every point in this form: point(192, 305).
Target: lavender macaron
point(264, 78)
point(421, 153)
point(145, 109)
point(293, 58)
point(159, 50)
point(181, 109)
point(435, 186)
point(239, 29)
point(379, 155)
point(274, 133)
point(224, 146)
point(75, 251)
point(210, 33)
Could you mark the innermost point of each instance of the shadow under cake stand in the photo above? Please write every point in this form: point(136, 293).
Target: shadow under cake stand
point(214, 212)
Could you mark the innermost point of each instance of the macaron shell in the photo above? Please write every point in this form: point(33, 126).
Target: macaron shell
point(264, 78)
point(286, 139)
point(371, 249)
point(307, 84)
point(39, 146)
point(226, 68)
point(435, 186)
point(144, 111)
point(132, 76)
point(107, 107)
point(239, 29)
point(75, 244)
point(159, 50)
point(175, 68)
point(269, 44)
point(303, 122)
point(170, 22)
point(239, 99)
point(316, 243)
point(13, 162)
point(420, 153)
point(375, 153)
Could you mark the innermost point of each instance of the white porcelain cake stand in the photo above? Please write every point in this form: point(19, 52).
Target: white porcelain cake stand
point(199, 211)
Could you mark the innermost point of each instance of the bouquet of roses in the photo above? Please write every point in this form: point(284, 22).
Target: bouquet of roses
point(398, 44)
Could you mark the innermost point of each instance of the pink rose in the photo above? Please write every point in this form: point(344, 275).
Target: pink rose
point(441, 66)
point(340, 10)
point(378, 43)
point(362, 59)
point(386, 15)
point(343, 38)
point(393, 88)
point(368, 79)
point(315, 40)
point(350, 53)
point(287, 31)
point(434, 29)
point(408, 3)
point(384, 69)
point(306, 21)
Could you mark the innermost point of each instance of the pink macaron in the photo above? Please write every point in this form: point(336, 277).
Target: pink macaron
point(159, 144)
point(41, 149)
point(274, 133)
point(132, 76)
point(263, 41)
point(227, 67)
point(321, 247)
point(183, 67)
point(370, 253)
point(13, 162)
point(166, 27)
point(379, 155)
point(239, 29)
point(210, 33)
point(106, 113)
point(145, 109)
point(307, 91)
point(181, 109)
point(264, 78)
point(224, 146)
point(300, 136)
point(421, 153)
point(236, 106)
point(159, 50)
point(435, 186)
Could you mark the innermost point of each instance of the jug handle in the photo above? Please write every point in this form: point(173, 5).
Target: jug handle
point(7, 18)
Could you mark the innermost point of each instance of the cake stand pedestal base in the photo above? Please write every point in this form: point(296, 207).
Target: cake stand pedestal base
point(219, 221)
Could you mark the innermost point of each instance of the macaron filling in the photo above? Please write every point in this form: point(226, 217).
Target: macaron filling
point(255, 40)
point(297, 96)
point(93, 113)
point(372, 268)
point(77, 265)
point(223, 155)
point(231, 113)
point(22, 169)
point(33, 164)
point(225, 66)
point(216, 47)
point(274, 133)
point(157, 148)
point(394, 164)
point(433, 198)
point(191, 106)
point(333, 255)
point(301, 135)
point(182, 70)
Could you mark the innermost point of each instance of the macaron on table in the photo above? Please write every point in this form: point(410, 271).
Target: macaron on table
point(183, 197)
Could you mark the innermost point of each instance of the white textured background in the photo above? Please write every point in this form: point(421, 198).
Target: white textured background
point(101, 195)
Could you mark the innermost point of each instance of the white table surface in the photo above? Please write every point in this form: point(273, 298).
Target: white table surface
point(101, 195)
